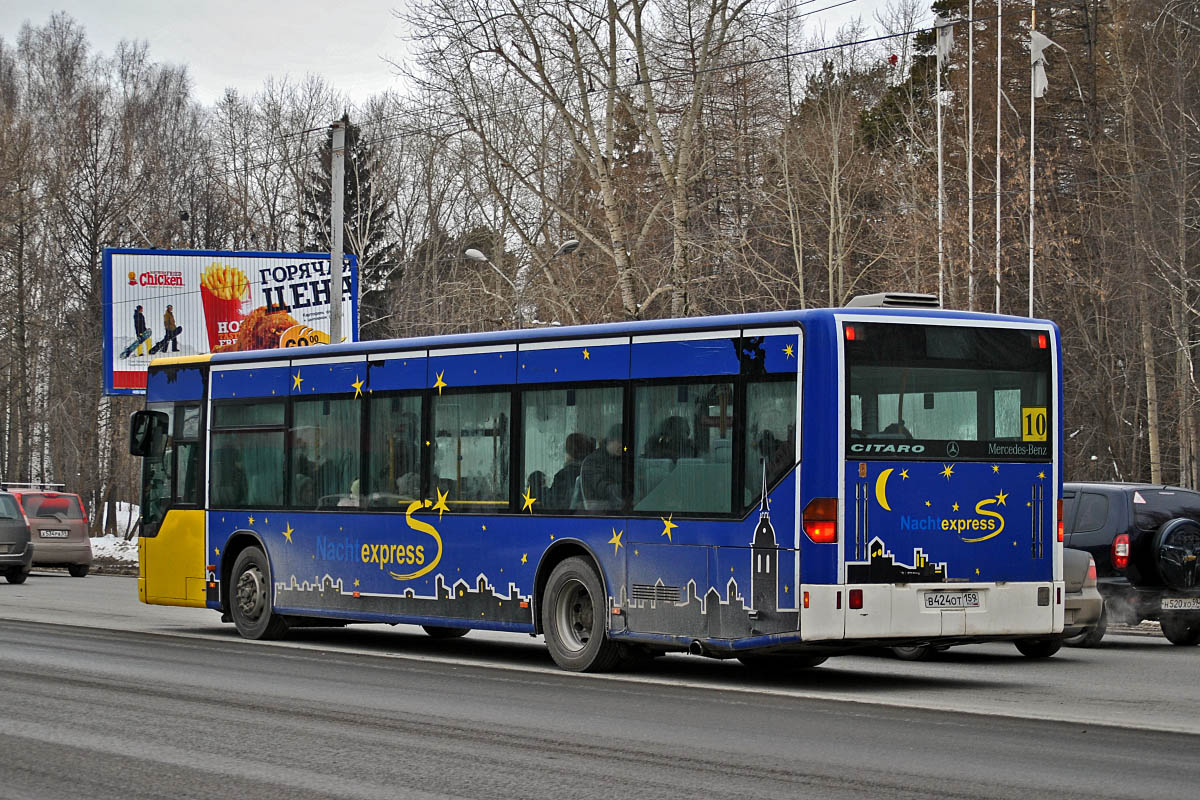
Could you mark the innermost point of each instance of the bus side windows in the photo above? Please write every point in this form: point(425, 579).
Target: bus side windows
point(565, 449)
point(770, 435)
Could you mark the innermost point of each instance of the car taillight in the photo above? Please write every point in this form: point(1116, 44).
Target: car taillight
point(1060, 520)
point(1120, 551)
point(820, 520)
point(1090, 580)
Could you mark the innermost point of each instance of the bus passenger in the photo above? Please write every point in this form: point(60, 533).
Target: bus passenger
point(602, 473)
point(672, 441)
point(578, 447)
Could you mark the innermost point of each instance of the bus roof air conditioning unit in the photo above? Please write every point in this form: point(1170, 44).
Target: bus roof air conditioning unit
point(894, 300)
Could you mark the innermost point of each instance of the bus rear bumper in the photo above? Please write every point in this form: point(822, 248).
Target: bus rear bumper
point(982, 611)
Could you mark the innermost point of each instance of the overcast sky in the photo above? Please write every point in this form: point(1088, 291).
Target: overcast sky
point(239, 44)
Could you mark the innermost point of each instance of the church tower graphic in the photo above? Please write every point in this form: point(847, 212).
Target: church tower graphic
point(764, 564)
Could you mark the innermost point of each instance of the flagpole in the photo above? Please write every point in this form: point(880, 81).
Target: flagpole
point(971, 159)
point(941, 186)
point(999, 39)
point(1032, 147)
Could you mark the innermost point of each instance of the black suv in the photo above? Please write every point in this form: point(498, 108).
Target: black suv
point(1145, 540)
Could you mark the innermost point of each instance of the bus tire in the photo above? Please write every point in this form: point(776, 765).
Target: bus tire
point(1038, 648)
point(574, 611)
point(439, 632)
point(250, 597)
point(781, 665)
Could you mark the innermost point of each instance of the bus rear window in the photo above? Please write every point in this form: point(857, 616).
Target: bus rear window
point(929, 391)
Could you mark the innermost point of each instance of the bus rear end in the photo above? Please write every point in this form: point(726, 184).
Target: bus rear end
point(949, 481)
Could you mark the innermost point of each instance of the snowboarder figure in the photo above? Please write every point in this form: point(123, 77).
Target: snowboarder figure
point(142, 335)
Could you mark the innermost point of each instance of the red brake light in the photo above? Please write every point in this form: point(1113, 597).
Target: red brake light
point(820, 520)
point(851, 333)
point(1120, 551)
point(856, 598)
point(1091, 576)
point(1060, 520)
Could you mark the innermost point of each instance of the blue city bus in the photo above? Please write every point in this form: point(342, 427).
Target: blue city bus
point(791, 484)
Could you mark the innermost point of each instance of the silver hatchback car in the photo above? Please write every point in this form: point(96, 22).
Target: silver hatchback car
point(16, 554)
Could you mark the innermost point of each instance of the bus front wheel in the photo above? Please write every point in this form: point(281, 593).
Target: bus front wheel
point(250, 597)
point(574, 610)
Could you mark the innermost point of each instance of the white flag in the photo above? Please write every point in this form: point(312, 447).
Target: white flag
point(1037, 57)
point(945, 37)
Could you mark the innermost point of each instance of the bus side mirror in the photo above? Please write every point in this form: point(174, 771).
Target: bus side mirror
point(148, 433)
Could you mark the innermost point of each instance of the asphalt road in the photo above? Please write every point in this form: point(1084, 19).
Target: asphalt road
point(105, 698)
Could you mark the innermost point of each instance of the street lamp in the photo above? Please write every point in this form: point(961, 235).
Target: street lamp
point(566, 248)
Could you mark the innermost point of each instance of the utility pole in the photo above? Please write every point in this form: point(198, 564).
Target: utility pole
point(336, 191)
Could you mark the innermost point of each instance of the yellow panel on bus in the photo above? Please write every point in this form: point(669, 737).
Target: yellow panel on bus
point(171, 569)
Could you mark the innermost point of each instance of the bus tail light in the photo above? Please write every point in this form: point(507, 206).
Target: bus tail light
point(1060, 520)
point(820, 520)
point(1120, 551)
point(856, 598)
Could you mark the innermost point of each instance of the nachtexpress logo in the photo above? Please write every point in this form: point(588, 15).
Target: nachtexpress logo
point(986, 523)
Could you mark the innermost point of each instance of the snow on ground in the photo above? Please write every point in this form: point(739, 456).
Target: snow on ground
point(116, 548)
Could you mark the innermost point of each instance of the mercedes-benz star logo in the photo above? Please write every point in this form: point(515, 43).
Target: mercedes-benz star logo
point(952, 449)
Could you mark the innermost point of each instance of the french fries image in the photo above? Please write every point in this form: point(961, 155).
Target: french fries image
point(225, 282)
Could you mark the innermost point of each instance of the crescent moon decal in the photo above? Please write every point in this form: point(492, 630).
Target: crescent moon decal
point(881, 489)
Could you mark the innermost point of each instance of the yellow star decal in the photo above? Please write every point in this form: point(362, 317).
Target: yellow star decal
point(529, 499)
point(667, 527)
point(903, 474)
point(356, 582)
point(358, 384)
point(217, 550)
point(288, 531)
point(586, 355)
point(297, 380)
point(524, 558)
point(440, 384)
point(954, 507)
point(1042, 475)
point(1000, 498)
point(927, 504)
point(789, 352)
point(947, 471)
point(615, 541)
point(251, 521)
point(440, 505)
point(995, 469)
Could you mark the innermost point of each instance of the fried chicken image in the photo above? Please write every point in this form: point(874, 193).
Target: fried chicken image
point(260, 330)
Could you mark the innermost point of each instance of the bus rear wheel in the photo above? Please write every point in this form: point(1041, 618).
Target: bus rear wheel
point(250, 597)
point(440, 632)
point(574, 608)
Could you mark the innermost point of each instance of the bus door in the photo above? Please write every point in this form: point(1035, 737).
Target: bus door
point(171, 544)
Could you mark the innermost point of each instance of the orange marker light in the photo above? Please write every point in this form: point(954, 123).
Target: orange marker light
point(850, 333)
point(806, 599)
point(1060, 520)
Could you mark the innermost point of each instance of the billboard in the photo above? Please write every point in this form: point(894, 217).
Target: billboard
point(190, 302)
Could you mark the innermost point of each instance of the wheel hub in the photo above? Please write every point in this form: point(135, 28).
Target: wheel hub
point(251, 593)
point(574, 615)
